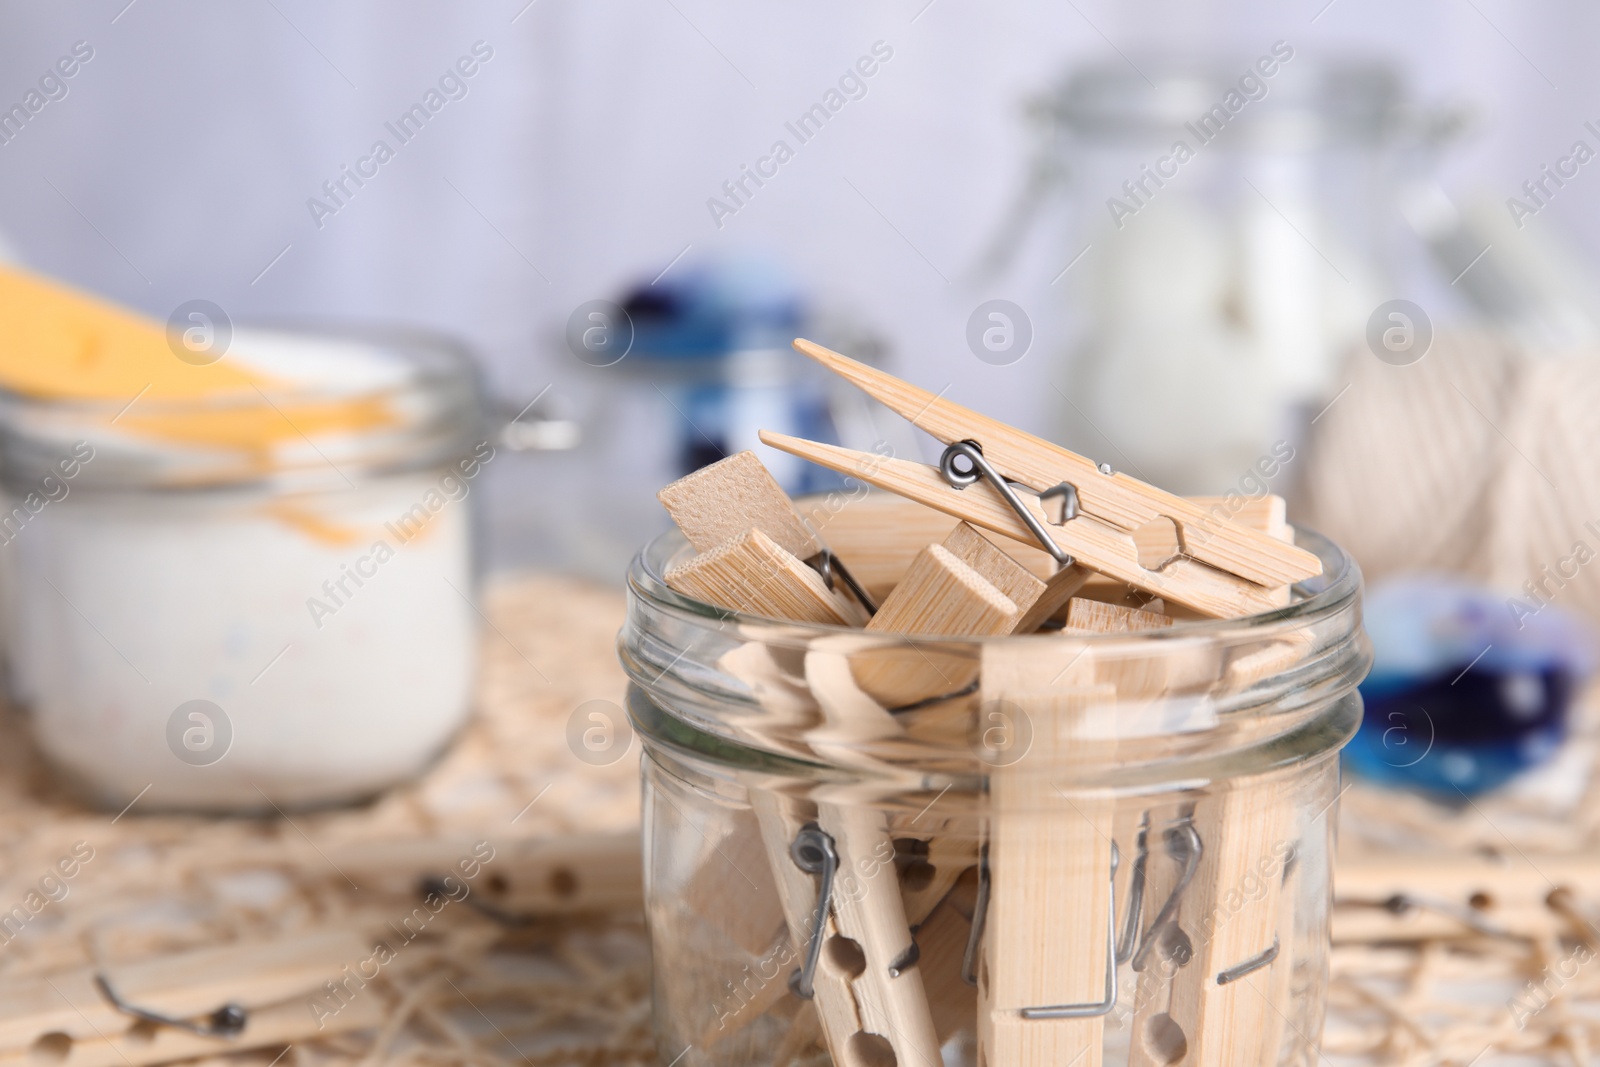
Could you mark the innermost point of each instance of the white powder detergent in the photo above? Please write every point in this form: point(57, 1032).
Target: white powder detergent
point(242, 620)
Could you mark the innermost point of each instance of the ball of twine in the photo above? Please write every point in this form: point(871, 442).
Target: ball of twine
point(1480, 459)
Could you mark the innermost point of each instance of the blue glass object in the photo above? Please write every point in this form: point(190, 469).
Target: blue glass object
point(1464, 694)
point(715, 338)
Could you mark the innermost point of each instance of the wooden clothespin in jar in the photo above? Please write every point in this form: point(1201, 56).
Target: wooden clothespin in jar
point(833, 863)
point(1212, 959)
point(1080, 512)
point(1043, 937)
point(1115, 500)
point(749, 539)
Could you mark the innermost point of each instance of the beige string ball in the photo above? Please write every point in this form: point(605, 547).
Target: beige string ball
point(1481, 459)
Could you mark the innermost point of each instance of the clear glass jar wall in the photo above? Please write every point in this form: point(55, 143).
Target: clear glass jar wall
point(207, 622)
point(1083, 849)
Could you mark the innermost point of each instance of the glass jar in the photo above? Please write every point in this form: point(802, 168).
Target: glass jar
point(1230, 226)
point(1139, 825)
point(255, 600)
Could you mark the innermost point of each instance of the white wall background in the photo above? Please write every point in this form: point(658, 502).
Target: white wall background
point(180, 164)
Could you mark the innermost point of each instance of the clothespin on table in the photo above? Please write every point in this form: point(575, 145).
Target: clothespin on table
point(204, 1002)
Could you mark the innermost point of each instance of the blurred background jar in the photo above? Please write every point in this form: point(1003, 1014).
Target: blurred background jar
point(256, 599)
point(1230, 226)
point(675, 373)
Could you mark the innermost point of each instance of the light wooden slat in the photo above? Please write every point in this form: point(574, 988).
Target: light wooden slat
point(752, 573)
point(863, 1010)
point(716, 504)
point(1093, 544)
point(939, 597)
point(182, 985)
point(1036, 599)
point(1117, 499)
point(1045, 932)
point(1231, 914)
point(1095, 617)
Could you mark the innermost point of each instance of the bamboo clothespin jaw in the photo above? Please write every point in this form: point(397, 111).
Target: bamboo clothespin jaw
point(1115, 499)
point(1090, 542)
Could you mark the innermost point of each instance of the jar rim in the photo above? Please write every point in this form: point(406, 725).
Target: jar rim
point(1202, 695)
point(1327, 594)
point(1309, 99)
point(438, 403)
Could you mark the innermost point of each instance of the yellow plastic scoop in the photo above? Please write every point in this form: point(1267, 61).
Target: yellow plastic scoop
point(57, 344)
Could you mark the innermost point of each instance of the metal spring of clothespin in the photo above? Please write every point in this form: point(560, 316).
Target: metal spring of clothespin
point(979, 468)
point(813, 852)
point(969, 961)
point(1183, 845)
point(830, 566)
point(227, 1021)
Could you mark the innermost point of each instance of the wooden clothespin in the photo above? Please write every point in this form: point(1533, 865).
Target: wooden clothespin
point(858, 957)
point(1227, 947)
point(940, 596)
point(1114, 500)
point(1045, 929)
point(717, 508)
point(219, 1000)
point(1036, 599)
point(1082, 539)
point(1389, 897)
point(752, 573)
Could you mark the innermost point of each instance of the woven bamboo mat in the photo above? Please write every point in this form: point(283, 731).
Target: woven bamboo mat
point(577, 992)
point(1526, 989)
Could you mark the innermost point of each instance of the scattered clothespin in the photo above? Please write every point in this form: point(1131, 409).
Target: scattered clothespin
point(1388, 898)
point(1116, 500)
point(212, 1001)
